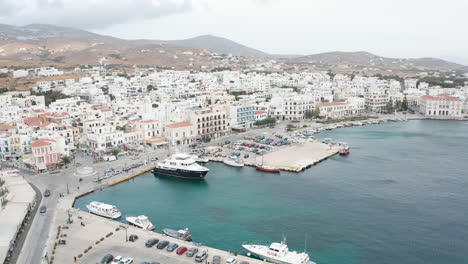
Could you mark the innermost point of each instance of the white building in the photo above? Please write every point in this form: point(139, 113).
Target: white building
point(441, 106)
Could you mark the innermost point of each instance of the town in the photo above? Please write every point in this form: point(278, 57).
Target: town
point(74, 122)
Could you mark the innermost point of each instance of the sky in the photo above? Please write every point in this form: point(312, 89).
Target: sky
point(391, 28)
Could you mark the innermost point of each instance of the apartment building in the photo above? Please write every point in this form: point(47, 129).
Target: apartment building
point(210, 122)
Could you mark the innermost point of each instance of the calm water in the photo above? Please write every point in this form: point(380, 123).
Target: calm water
point(400, 197)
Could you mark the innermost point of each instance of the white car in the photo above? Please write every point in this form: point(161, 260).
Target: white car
point(231, 261)
point(116, 260)
point(126, 261)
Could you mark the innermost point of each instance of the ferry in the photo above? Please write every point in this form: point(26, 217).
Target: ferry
point(105, 210)
point(179, 234)
point(277, 253)
point(233, 163)
point(180, 166)
point(140, 221)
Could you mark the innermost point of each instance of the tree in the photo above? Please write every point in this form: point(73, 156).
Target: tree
point(65, 159)
point(404, 104)
point(115, 151)
point(150, 88)
point(309, 114)
point(3, 90)
point(266, 121)
point(290, 127)
point(51, 96)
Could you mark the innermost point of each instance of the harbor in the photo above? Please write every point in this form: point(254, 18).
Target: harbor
point(322, 205)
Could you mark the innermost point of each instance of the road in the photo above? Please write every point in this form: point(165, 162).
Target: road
point(66, 183)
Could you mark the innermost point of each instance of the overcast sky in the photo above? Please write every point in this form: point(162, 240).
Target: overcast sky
point(393, 28)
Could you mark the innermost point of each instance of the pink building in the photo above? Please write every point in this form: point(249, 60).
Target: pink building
point(45, 154)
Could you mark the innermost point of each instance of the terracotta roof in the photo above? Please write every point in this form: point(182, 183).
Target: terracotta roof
point(260, 112)
point(331, 104)
point(149, 121)
point(179, 124)
point(32, 121)
point(441, 97)
point(42, 142)
point(6, 127)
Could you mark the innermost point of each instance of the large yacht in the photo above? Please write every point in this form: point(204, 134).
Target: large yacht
point(278, 253)
point(140, 221)
point(181, 166)
point(102, 209)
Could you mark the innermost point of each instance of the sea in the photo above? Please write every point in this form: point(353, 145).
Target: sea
point(401, 196)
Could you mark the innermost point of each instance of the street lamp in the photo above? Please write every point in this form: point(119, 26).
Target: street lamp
point(126, 235)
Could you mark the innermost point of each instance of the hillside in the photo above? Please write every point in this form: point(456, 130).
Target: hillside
point(40, 44)
point(364, 59)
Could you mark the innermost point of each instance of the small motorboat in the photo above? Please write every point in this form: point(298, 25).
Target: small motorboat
point(266, 168)
point(140, 221)
point(179, 234)
point(344, 152)
point(233, 163)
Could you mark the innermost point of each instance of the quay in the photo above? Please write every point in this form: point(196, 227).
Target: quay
point(87, 238)
point(131, 176)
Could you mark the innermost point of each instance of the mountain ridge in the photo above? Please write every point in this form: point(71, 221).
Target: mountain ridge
point(26, 37)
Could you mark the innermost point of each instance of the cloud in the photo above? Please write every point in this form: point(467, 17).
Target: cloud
point(88, 14)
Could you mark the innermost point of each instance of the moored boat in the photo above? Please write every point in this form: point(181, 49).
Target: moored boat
point(105, 210)
point(179, 234)
point(266, 168)
point(233, 163)
point(180, 166)
point(199, 159)
point(140, 221)
point(278, 253)
point(344, 152)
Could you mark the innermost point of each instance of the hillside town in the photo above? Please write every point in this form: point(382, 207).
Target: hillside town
point(105, 109)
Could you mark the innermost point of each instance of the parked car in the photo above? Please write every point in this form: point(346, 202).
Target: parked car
point(133, 238)
point(126, 261)
point(171, 247)
point(231, 261)
point(116, 260)
point(201, 256)
point(43, 209)
point(162, 244)
point(107, 259)
point(191, 252)
point(216, 259)
point(151, 242)
point(181, 250)
point(46, 193)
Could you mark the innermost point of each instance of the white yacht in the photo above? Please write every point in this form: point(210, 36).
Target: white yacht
point(140, 221)
point(233, 162)
point(278, 253)
point(102, 209)
point(181, 166)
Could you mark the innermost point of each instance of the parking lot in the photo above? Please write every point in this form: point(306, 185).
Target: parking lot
point(89, 238)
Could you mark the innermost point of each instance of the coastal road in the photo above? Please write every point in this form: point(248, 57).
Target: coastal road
point(65, 182)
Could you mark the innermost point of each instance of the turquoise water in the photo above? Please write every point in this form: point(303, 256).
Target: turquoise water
point(401, 196)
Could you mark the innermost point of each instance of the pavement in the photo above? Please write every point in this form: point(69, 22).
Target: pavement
point(66, 183)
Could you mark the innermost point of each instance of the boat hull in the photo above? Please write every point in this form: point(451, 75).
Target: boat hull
point(103, 215)
point(272, 260)
point(178, 173)
point(268, 170)
point(175, 234)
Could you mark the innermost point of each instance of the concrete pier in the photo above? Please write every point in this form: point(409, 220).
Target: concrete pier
point(89, 238)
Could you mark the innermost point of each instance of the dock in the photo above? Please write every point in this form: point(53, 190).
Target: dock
point(87, 238)
point(130, 177)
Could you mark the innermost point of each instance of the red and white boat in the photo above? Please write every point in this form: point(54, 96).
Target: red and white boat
point(344, 152)
point(266, 168)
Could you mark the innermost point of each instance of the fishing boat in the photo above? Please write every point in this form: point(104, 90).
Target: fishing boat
point(140, 221)
point(105, 210)
point(179, 234)
point(266, 168)
point(344, 152)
